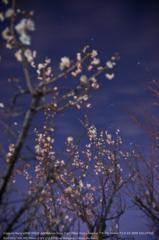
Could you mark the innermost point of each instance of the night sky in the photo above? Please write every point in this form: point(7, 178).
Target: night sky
point(127, 27)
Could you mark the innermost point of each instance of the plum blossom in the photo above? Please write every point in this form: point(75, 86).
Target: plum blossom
point(44, 71)
point(95, 61)
point(18, 55)
point(84, 80)
point(78, 69)
point(81, 184)
point(25, 25)
point(69, 139)
point(109, 76)
point(109, 64)
point(92, 132)
point(79, 57)
point(65, 63)
point(30, 55)
point(22, 28)
point(25, 39)
point(94, 53)
point(9, 13)
point(6, 34)
point(109, 138)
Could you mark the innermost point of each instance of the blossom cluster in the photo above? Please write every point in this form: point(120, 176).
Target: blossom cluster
point(44, 71)
point(49, 171)
point(21, 28)
point(28, 54)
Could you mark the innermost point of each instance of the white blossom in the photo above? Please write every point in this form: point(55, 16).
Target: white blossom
point(9, 13)
point(109, 64)
point(40, 66)
point(44, 71)
point(109, 76)
point(25, 39)
point(18, 55)
point(92, 132)
point(65, 63)
point(94, 53)
point(22, 27)
point(81, 184)
point(30, 55)
point(70, 139)
point(78, 56)
point(25, 25)
point(83, 79)
point(95, 61)
point(6, 34)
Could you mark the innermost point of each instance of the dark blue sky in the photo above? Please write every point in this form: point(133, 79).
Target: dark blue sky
point(127, 27)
